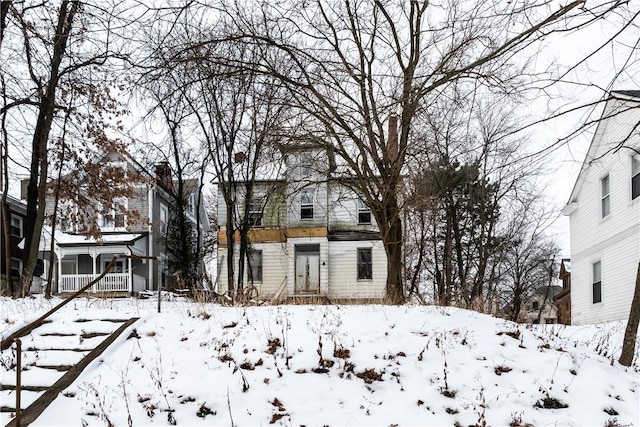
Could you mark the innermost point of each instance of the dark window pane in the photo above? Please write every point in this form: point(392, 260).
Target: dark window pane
point(364, 264)
point(635, 186)
point(597, 292)
point(306, 212)
point(364, 217)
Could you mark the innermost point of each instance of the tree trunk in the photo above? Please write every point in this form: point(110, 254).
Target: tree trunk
point(36, 190)
point(630, 334)
point(391, 231)
point(230, 244)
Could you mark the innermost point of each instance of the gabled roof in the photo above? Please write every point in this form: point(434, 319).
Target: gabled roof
point(615, 97)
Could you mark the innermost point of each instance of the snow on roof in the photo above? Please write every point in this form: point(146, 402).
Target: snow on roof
point(66, 239)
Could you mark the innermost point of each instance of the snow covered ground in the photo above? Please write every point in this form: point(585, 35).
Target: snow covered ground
point(204, 364)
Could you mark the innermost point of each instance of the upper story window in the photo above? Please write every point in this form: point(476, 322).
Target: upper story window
point(66, 216)
point(164, 219)
point(306, 204)
point(306, 164)
point(597, 282)
point(364, 213)
point(16, 225)
point(255, 212)
point(605, 196)
point(635, 176)
point(116, 216)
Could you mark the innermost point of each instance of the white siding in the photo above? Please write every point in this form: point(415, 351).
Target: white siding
point(613, 240)
point(275, 263)
point(343, 277)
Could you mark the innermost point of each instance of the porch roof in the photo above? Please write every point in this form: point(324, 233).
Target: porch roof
point(63, 239)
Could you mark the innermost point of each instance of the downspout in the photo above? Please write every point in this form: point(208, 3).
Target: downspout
point(150, 228)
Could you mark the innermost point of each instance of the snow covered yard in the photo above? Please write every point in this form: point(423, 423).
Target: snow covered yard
point(204, 364)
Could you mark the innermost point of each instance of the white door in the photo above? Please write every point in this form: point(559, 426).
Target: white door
point(307, 273)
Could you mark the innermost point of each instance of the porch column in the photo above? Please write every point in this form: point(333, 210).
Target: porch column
point(94, 256)
point(130, 270)
point(59, 256)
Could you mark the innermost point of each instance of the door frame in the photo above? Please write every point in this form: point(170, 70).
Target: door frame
point(305, 250)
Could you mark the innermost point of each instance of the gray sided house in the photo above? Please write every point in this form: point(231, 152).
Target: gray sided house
point(310, 236)
point(12, 248)
point(135, 225)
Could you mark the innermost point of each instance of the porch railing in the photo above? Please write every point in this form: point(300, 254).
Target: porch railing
point(112, 282)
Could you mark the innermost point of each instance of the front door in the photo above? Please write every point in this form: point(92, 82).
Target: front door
point(307, 269)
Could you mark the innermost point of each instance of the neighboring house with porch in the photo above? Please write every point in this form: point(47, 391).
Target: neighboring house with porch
point(80, 256)
point(604, 213)
point(311, 236)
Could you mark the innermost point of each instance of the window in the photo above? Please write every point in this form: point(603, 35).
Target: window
point(118, 266)
point(16, 226)
point(635, 176)
point(597, 282)
point(535, 305)
point(306, 204)
point(306, 164)
point(364, 213)
point(65, 217)
point(365, 270)
point(549, 321)
point(164, 219)
point(16, 267)
point(191, 204)
point(116, 216)
point(255, 212)
point(255, 266)
point(606, 202)
point(69, 265)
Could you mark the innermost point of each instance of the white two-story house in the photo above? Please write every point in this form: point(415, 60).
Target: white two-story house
point(310, 235)
point(604, 213)
point(79, 256)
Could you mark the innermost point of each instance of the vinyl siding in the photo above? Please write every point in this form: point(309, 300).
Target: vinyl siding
point(274, 269)
point(613, 240)
point(343, 277)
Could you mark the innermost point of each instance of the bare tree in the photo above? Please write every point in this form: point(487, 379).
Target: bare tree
point(235, 112)
point(352, 65)
point(60, 53)
point(631, 332)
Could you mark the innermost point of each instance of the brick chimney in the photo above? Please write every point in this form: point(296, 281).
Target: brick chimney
point(24, 184)
point(392, 138)
point(163, 175)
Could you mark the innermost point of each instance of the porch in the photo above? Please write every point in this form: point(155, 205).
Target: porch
point(112, 282)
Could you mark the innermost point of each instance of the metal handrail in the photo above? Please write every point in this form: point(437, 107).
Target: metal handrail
point(6, 343)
